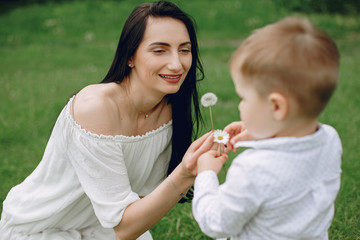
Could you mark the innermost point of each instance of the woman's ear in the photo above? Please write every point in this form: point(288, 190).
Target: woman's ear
point(280, 105)
point(130, 63)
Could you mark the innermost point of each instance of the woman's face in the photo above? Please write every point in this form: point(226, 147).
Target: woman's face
point(163, 57)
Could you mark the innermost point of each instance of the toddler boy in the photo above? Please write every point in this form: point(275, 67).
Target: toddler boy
point(285, 184)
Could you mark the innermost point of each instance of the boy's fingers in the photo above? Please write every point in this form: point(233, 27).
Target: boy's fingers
point(243, 136)
point(215, 153)
point(229, 146)
point(234, 128)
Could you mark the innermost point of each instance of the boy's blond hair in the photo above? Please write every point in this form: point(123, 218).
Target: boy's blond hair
point(294, 58)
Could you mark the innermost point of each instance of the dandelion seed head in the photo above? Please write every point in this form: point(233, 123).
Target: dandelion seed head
point(208, 99)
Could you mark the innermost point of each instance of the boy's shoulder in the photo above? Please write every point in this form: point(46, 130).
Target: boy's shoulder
point(282, 158)
point(274, 151)
point(329, 130)
point(323, 135)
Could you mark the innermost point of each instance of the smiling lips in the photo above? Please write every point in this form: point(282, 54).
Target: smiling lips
point(171, 78)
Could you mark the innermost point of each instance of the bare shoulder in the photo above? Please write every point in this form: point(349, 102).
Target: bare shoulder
point(95, 109)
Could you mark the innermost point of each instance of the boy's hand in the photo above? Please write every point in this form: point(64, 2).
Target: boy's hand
point(211, 160)
point(237, 132)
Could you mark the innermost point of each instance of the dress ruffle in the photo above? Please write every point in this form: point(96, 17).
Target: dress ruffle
point(121, 138)
point(93, 233)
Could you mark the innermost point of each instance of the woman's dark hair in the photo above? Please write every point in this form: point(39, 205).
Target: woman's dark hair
point(185, 102)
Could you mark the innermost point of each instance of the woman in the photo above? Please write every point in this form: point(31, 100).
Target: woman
point(103, 170)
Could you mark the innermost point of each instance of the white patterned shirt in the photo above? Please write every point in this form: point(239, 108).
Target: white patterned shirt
point(280, 188)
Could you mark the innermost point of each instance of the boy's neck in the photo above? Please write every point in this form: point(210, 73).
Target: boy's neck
point(299, 128)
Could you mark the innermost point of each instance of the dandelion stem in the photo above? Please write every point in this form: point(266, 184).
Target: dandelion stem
point(212, 124)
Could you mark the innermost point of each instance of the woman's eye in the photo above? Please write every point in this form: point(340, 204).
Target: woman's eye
point(158, 51)
point(185, 50)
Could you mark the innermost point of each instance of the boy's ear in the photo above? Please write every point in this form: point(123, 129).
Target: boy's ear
point(280, 105)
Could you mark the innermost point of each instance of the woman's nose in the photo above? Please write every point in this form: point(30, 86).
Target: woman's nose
point(175, 63)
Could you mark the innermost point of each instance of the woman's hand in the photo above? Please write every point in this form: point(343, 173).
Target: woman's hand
point(197, 148)
point(237, 132)
point(144, 213)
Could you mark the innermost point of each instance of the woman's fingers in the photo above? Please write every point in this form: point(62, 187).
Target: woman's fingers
point(199, 142)
point(198, 147)
point(205, 146)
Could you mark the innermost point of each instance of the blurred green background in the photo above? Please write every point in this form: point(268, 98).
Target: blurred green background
point(51, 49)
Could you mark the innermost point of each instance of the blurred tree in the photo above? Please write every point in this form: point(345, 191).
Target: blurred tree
point(321, 6)
point(8, 5)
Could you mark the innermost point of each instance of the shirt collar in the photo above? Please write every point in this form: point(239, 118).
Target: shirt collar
point(290, 143)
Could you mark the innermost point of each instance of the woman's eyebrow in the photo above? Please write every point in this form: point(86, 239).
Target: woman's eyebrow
point(167, 44)
point(185, 43)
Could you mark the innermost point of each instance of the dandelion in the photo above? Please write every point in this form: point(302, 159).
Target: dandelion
point(207, 100)
point(222, 138)
point(89, 36)
point(50, 22)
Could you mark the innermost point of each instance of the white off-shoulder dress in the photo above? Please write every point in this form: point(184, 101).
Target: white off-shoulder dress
point(84, 182)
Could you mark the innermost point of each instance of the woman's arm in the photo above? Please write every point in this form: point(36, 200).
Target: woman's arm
point(141, 215)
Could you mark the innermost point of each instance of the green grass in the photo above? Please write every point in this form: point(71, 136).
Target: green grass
point(49, 52)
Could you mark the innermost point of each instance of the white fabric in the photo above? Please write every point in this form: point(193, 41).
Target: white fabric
point(84, 182)
point(280, 188)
